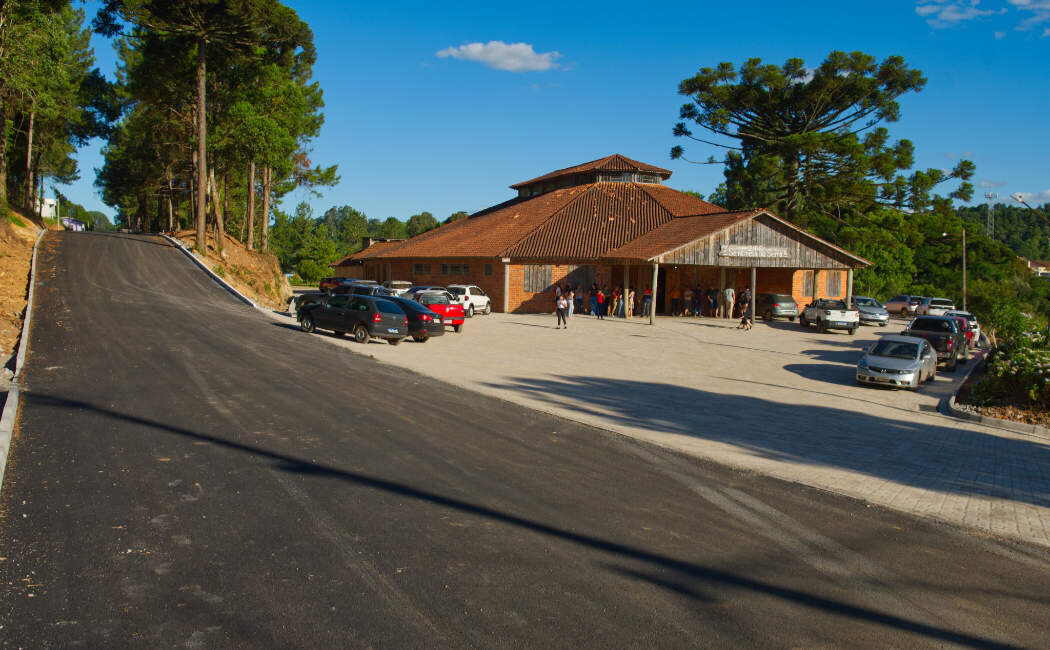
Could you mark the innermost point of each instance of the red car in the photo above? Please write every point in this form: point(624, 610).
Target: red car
point(442, 303)
point(329, 283)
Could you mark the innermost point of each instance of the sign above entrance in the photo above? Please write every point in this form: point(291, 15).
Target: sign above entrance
point(743, 250)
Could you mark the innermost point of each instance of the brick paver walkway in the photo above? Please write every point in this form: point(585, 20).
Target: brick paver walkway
point(778, 400)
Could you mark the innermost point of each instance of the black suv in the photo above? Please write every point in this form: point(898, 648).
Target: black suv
point(362, 289)
point(365, 316)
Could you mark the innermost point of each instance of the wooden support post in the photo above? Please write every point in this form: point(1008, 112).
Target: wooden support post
point(720, 302)
point(652, 303)
point(751, 307)
point(626, 287)
point(506, 285)
point(849, 288)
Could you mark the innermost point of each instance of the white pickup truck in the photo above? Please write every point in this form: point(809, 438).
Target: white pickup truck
point(828, 314)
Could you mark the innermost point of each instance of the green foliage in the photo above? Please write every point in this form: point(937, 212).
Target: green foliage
point(16, 220)
point(420, 223)
point(455, 216)
point(1023, 232)
point(220, 271)
point(795, 135)
point(1017, 373)
point(392, 228)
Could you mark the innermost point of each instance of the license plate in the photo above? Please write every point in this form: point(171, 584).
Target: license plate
point(392, 330)
point(882, 378)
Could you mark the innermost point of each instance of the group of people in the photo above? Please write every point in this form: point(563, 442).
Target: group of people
point(600, 302)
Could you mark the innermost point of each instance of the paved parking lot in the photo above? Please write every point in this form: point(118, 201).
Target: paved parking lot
point(778, 399)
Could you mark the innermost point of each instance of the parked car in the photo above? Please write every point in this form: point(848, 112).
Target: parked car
point(934, 307)
point(975, 327)
point(398, 286)
point(363, 289)
point(329, 283)
point(829, 314)
point(898, 361)
point(423, 322)
point(871, 311)
point(904, 304)
point(442, 303)
point(411, 292)
point(776, 305)
point(471, 297)
point(365, 316)
point(944, 335)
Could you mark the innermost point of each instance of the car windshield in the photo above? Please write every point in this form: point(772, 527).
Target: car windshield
point(895, 350)
point(915, 300)
point(933, 325)
point(941, 302)
point(780, 297)
point(459, 291)
point(834, 304)
point(867, 302)
point(388, 307)
point(433, 299)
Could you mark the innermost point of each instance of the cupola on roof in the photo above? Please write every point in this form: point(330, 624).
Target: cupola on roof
point(610, 169)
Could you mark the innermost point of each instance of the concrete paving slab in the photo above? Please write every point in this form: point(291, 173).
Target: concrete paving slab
point(779, 399)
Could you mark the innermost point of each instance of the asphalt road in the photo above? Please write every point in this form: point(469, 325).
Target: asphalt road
point(187, 473)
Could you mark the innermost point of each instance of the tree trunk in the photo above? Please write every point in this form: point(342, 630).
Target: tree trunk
point(193, 192)
point(202, 148)
point(3, 152)
point(226, 194)
point(267, 177)
point(216, 212)
point(160, 211)
point(251, 206)
point(40, 197)
point(171, 208)
point(30, 185)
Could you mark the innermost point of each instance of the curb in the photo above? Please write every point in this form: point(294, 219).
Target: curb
point(223, 283)
point(7, 419)
point(1036, 430)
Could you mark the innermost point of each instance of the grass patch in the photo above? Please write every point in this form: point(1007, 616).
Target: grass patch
point(16, 220)
point(219, 271)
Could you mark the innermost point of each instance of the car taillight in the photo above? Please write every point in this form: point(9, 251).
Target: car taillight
point(776, 304)
point(406, 321)
point(424, 317)
point(951, 343)
point(377, 317)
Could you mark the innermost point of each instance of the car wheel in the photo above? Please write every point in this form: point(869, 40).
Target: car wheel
point(361, 334)
point(768, 315)
point(852, 331)
point(488, 308)
point(883, 324)
point(791, 318)
point(904, 312)
point(954, 363)
point(470, 311)
point(420, 338)
point(393, 341)
point(933, 373)
point(457, 328)
point(822, 326)
point(306, 324)
point(803, 322)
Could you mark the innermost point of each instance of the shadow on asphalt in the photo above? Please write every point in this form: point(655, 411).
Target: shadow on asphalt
point(683, 571)
point(848, 439)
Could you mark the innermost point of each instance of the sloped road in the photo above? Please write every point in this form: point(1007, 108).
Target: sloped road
point(187, 473)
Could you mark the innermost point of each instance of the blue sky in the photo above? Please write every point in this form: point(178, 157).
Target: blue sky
point(412, 130)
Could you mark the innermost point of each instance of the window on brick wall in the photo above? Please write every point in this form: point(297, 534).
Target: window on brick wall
point(807, 283)
point(488, 269)
point(833, 284)
point(455, 269)
point(537, 277)
point(420, 269)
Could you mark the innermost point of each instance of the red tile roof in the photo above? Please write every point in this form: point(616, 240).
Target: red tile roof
point(613, 163)
point(367, 253)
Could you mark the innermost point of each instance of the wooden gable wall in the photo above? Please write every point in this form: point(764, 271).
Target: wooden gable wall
point(775, 246)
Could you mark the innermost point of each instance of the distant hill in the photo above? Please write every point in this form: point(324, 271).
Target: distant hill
point(1023, 232)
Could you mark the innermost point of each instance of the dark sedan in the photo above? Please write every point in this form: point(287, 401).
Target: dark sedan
point(365, 316)
point(422, 322)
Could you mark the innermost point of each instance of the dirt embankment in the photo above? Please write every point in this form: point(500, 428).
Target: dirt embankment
point(17, 235)
point(256, 275)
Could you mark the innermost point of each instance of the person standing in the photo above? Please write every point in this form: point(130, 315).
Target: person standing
point(630, 302)
point(676, 301)
point(647, 301)
point(570, 296)
point(745, 301)
point(594, 299)
point(563, 312)
point(600, 297)
point(687, 304)
point(728, 297)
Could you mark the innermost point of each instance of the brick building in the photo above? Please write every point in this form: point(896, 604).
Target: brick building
point(613, 222)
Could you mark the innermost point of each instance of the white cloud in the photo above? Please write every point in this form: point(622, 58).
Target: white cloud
point(999, 35)
point(513, 57)
point(942, 13)
point(1038, 10)
point(991, 184)
point(1035, 197)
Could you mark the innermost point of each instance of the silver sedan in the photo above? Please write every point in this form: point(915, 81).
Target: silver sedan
point(901, 361)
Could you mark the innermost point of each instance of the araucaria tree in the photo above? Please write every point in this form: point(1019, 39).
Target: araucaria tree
point(802, 140)
point(224, 87)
